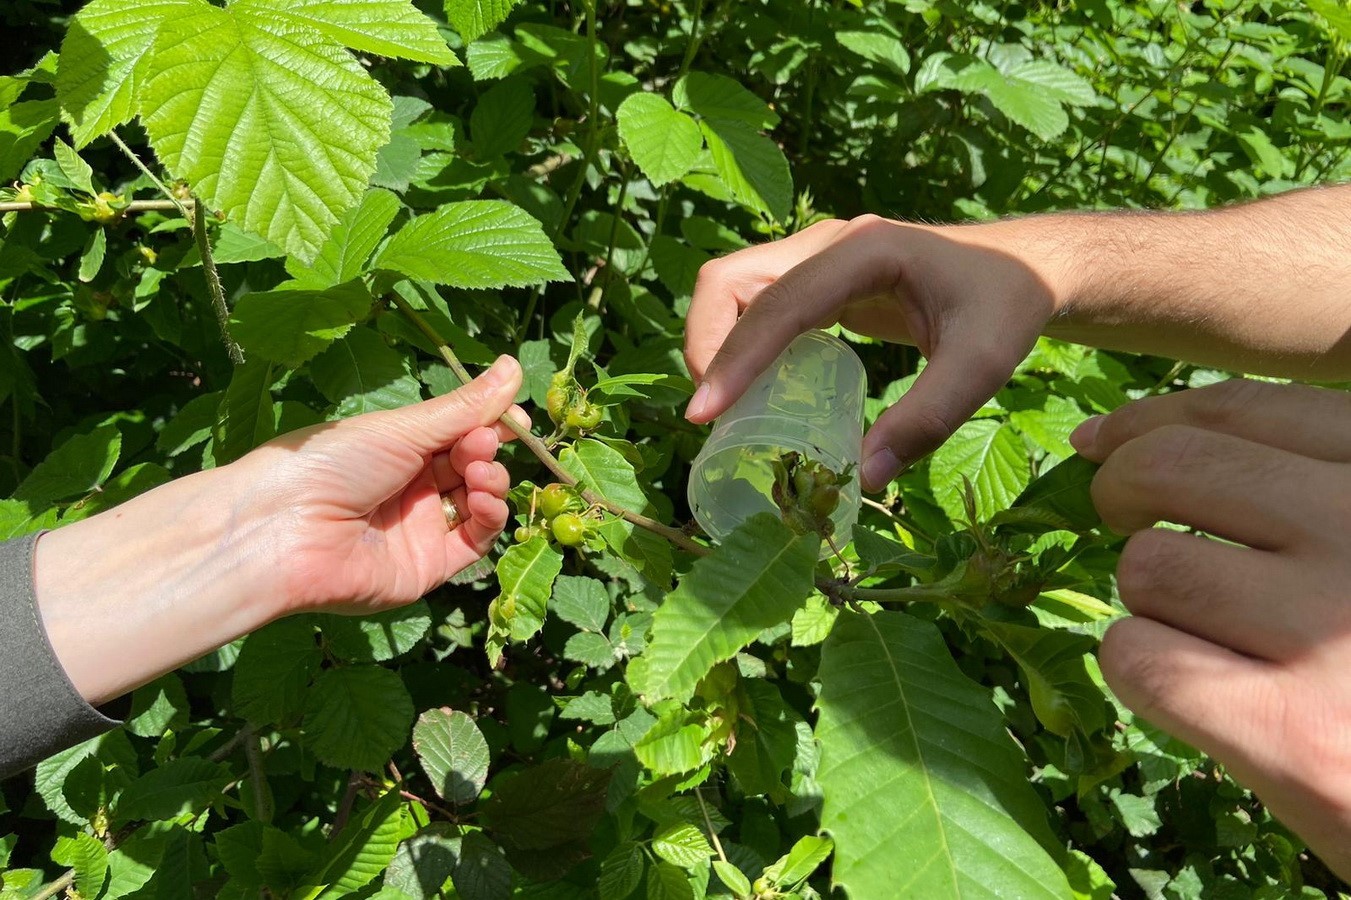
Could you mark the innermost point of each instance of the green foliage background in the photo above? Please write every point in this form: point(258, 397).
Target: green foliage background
point(533, 161)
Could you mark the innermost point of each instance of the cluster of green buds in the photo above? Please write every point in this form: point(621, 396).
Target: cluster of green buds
point(807, 493)
point(557, 512)
point(568, 407)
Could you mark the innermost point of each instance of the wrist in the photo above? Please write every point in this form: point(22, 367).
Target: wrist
point(156, 582)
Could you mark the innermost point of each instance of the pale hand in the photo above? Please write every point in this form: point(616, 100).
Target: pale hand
point(344, 517)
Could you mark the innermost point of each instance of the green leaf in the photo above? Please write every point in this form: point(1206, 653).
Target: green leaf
point(474, 244)
point(362, 373)
point(735, 880)
point(502, 118)
point(356, 717)
point(363, 849)
point(23, 128)
point(392, 28)
point(766, 739)
point(621, 872)
point(719, 97)
point(668, 882)
point(74, 469)
point(290, 327)
point(276, 125)
point(273, 672)
point(878, 47)
point(1055, 81)
point(757, 578)
point(544, 815)
point(603, 469)
point(246, 418)
point(594, 650)
point(105, 60)
point(525, 573)
point(481, 873)
point(673, 745)
point(453, 753)
point(1065, 492)
point(582, 602)
point(664, 142)
point(475, 18)
point(915, 760)
point(344, 254)
point(682, 844)
point(379, 636)
point(752, 166)
point(88, 857)
point(191, 426)
point(1064, 695)
point(801, 861)
point(157, 706)
point(91, 260)
point(75, 169)
point(424, 862)
point(991, 456)
point(185, 785)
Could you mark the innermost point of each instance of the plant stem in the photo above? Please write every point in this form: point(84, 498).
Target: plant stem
point(915, 593)
point(537, 447)
point(213, 285)
point(692, 47)
point(56, 886)
point(708, 823)
point(262, 803)
point(198, 220)
point(135, 206)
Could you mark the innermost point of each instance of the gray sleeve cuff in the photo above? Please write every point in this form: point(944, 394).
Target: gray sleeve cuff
point(41, 713)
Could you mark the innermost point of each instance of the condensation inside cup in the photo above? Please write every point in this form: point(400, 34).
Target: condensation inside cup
point(810, 402)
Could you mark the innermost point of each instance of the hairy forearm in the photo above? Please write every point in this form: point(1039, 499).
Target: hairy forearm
point(1262, 287)
point(161, 580)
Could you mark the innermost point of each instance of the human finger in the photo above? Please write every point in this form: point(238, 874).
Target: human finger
point(964, 372)
point(1223, 485)
point(1248, 600)
point(1310, 421)
point(862, 262)
point(727, 284)
point(486, 484)
point(435, 424)
point(1209, 696)
point(520, 416)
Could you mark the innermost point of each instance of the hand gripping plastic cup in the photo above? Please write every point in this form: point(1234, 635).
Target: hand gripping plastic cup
point(810, 400)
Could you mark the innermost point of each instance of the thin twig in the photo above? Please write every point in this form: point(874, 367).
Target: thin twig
point(708, 822)
point(56, 886)
point(213, 285)
point(262, 802)
point(537, 447)
point(198, 220)
point(349, 799)
point(135, 206)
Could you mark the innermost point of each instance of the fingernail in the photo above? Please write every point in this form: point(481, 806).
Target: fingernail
point(498, 373)
point(879, 469)
point(1083, 437)
point(698, 403)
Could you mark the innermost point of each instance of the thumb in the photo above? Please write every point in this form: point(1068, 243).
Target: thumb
point(949, 390)
point(433, 425)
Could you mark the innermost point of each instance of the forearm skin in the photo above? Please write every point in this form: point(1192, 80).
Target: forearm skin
point(1261, 287)
point(154, 583)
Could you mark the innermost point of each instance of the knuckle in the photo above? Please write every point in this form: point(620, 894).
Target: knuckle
point(1140, 570)
point(1139, 678)
point(933, 424)
point(1226, 403)
point(868, 223)
point(1164, 455)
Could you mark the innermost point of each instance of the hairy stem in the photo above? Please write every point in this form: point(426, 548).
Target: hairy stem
point(537, 446)
point(198, 219)
point(135, 206)
point(213, 285)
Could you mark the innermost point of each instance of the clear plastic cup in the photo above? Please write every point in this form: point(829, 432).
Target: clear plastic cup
point(810, 401)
